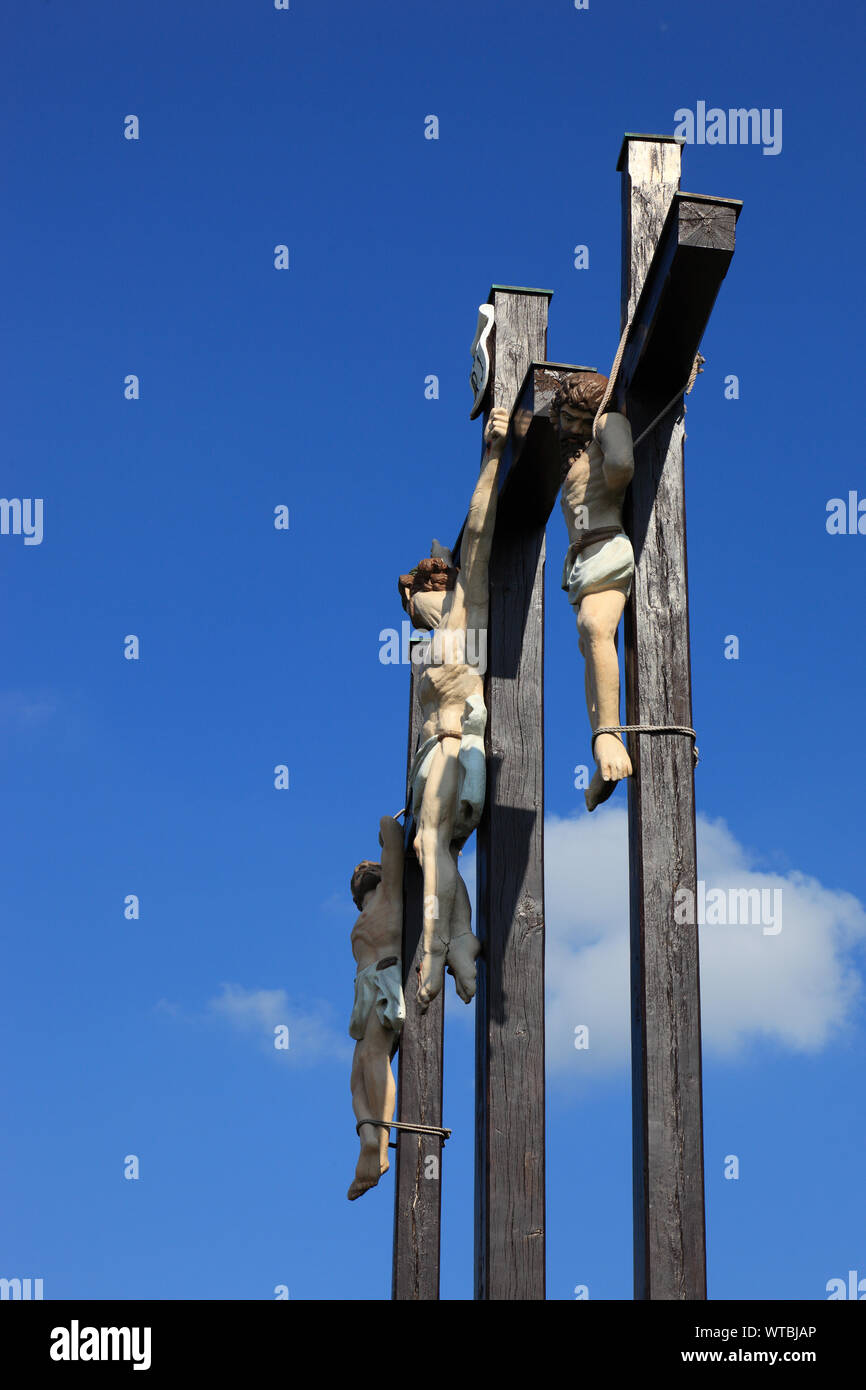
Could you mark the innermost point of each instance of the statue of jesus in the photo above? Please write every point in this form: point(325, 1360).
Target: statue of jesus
point(379, 1010)
point(597, 467)
point(448, 774)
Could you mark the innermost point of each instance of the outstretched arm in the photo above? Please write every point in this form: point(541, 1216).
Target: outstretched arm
point(613, 433)
point(477, 539)
point(391, 840)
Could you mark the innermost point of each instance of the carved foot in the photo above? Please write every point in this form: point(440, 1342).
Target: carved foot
point(463, 952)
point(613, 764)
point(432, 974)
point(371, 1166)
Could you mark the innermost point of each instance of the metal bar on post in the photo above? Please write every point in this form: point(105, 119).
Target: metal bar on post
point(669, 1228)
point(509, 1154)
point(417, 1181)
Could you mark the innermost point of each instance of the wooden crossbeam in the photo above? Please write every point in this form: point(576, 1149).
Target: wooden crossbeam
point(532, 482)
point(529, 479)
point(691, 259)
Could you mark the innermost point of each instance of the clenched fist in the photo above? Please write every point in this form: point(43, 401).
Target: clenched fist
point(496, 430)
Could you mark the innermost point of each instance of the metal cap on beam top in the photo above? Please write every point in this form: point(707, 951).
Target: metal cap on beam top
point(654, 139)
point(517, 289)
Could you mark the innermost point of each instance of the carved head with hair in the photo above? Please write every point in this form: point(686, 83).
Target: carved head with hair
point(423, 589)
point(579, 394)
point(366, 877)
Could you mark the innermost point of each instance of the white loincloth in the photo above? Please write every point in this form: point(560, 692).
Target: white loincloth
point(472, 771)
point(604, 565)
point(382, 989)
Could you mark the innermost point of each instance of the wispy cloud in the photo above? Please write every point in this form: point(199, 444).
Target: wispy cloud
point(23, 709)
point(315, 1035)
point(797, 988)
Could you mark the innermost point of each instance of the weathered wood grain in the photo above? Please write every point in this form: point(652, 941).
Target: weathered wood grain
point(669, 1232)
point(531, 464)
point(509, 1188)
point(521, 315)
point(694, 251)
point(651, 176)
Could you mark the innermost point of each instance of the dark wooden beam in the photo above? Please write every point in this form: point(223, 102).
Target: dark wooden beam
point(676, 249)
point(509, 1153)
point(417, 1196)
point(691, 260)
point(531, 481)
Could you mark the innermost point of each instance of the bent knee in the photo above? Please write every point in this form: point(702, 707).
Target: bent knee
point(590, 629)
point(594, 627)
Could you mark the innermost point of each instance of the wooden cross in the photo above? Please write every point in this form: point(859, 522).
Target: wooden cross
point(676, 251)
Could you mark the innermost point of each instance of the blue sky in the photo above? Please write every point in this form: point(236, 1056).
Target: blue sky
point(259, 647)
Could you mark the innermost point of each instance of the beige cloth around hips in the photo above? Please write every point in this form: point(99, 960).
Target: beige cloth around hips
point(382, 990)
point(472, 771)
point(605, 565)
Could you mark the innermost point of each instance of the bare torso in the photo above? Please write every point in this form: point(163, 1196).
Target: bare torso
point(587, 499)
point(449, 675)
point(378, 931)
point(443, 692)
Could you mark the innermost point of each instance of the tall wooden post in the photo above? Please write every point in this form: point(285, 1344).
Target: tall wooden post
point(418, 1180)
point(509, 1154)
point(669, 1241)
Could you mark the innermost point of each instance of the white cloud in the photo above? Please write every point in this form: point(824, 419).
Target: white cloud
point(251, 1010)
point(797, 989)
point(314, 1034)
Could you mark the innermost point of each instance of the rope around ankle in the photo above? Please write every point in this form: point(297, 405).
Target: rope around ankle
point(648, 729)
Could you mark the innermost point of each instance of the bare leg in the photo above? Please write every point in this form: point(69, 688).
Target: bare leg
point(597, 621)
point(591, 702)
point(373, 1093)
point(438, 869)
point(463, 948)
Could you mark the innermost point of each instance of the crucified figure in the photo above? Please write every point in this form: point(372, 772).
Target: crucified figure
point(379, 1010)
point(597, 467)
point(448, 774)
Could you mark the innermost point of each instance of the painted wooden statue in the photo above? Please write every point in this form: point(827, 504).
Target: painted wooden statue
point(379, 1009)
point(597, 467)
point(448, 777)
